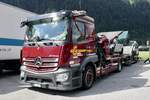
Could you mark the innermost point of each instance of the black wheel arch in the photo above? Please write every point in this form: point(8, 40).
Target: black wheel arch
point(90, 61)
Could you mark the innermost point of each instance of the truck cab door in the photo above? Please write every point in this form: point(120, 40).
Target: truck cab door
point(82, 37)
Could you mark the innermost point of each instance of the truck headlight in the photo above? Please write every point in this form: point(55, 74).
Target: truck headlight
point(62, 77)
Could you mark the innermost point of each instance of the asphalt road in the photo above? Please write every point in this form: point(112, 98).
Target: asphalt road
point(133, 83)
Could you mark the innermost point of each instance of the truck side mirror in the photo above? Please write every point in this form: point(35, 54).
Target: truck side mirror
point(22, 24)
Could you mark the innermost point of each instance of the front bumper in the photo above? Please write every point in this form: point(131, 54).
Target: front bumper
point(48, 79)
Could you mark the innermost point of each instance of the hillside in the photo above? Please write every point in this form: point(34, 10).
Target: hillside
point(110, 15)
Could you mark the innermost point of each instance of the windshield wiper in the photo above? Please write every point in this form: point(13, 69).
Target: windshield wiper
point(42, 39)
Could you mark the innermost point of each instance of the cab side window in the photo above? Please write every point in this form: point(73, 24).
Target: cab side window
point(78, 31)
point(89, 29)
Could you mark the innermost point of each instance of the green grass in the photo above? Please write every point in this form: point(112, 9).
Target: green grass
point(143, 55)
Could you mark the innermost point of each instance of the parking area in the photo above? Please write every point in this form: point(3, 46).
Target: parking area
point(132, 83)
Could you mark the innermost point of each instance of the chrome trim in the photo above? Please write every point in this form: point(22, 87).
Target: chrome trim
point(28, 60)
point(50, 60)
point(51, 66)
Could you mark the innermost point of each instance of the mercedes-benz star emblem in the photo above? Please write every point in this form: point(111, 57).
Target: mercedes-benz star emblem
point(38, 62)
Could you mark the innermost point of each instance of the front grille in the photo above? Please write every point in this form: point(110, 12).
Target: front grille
point(44, 64)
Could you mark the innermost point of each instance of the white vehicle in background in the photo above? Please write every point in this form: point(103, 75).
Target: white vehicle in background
point(11, 35)
point(131, 52)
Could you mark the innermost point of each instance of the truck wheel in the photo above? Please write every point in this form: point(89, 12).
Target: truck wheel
point(119, 66)
point(88, 78)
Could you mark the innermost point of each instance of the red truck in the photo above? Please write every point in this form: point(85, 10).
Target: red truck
point(62, 52)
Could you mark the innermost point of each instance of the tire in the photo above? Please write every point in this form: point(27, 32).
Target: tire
point(119, 66)
point(88, 77)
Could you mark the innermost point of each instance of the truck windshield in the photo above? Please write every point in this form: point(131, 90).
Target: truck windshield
point(47, 31)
